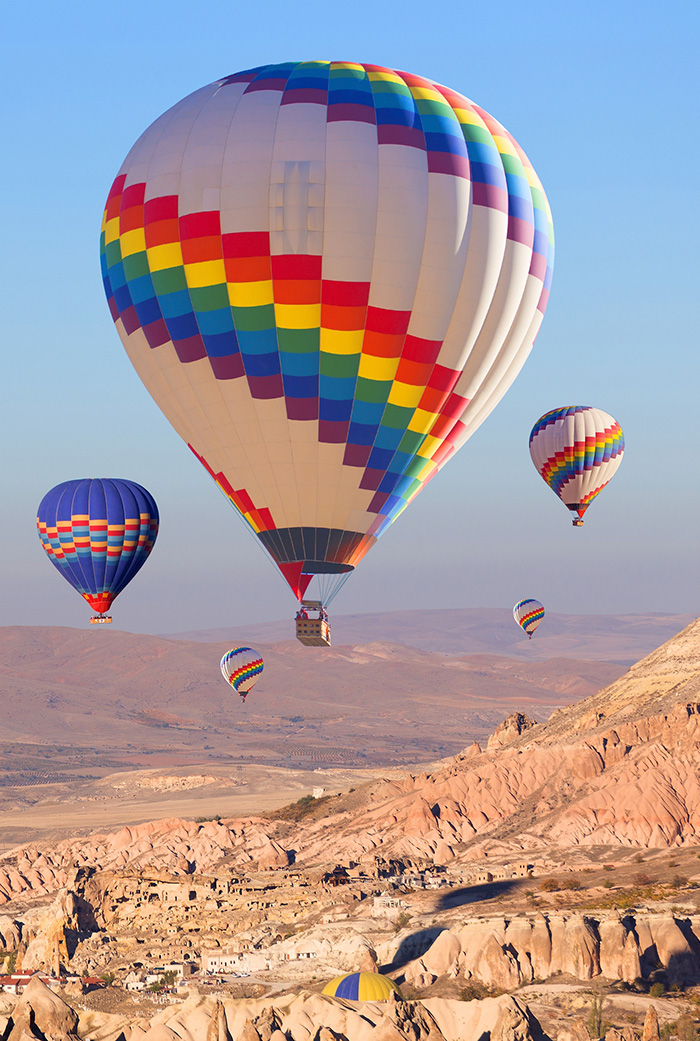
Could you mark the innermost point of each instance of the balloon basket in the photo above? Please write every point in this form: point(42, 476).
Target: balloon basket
point(578, 523)
point(101, 619)
point(313, 632)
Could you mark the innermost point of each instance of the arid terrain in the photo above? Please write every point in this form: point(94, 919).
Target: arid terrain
point(104, 728)
point(545, 880)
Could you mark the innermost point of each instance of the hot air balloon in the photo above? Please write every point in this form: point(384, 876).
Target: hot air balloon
point(576, 450)
point(241, 667)
point(98, 533)
point(327, 274)
point(362, 986)
point(528, 614)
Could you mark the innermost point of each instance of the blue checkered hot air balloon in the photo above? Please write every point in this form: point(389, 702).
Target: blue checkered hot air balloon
point(98, 533)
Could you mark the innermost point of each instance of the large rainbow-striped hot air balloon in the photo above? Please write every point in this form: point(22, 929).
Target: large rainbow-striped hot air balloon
point(98, 533)
point(327, 274)
point(577, 450)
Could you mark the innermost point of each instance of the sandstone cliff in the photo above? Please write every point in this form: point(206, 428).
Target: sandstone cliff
point(507, 953)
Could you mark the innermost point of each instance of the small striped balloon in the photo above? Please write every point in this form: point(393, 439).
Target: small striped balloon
point(241, 667)
point(528, 614)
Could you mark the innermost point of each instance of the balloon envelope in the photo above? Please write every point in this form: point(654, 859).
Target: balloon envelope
point(362, 986)
point(327, 274)
point(241, 667)
point(98, 533)
point(528, 614)
point(577, 450)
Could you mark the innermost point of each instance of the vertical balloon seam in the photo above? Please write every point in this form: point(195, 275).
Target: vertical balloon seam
point(530, 335)
point(272, 280)
point(276, 292)
point(135, 512)
point(128, 563)
point(398, 474)
point(101, 559)
point(337, 67)
point(397, 510)
point(421, 276)
point(89, 562)
point(218, 382)
point(416, 117)
point(509, 258)
point(491, 354)
point(267, 230)
point(364, 329)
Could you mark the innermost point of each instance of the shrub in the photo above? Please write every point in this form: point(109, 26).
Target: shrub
point(643, 879)
point(573, 883)
point(686, 1028)
point(639, 859)
point(473, 992)
point(679, 881)
point(549, 885)
point(402, 921)
point(607, 884)
point(657, 990)
point(303, 807)
point(607, 867)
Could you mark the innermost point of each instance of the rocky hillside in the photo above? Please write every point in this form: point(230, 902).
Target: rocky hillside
point(620, 768)
point(292, 1017)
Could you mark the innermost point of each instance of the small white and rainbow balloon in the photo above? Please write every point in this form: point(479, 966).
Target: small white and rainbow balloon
point(528, 614)
point(576, 451)
point(241, 667)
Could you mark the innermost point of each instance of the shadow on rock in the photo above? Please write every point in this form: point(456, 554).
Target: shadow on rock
point(473, 894)
point(413, 946)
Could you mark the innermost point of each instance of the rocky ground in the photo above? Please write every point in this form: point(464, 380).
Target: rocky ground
point(309, 1016)
point(547, 882)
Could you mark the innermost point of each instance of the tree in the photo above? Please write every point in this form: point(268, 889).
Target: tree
point(595, 1018)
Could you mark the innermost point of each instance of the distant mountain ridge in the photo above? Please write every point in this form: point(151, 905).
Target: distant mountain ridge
point(378, 704)
point(617, 769)
point(619, 638)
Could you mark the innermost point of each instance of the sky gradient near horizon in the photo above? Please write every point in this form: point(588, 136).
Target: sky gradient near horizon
point(604, 102)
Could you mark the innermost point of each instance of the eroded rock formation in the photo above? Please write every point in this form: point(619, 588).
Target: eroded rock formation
point(506, 954)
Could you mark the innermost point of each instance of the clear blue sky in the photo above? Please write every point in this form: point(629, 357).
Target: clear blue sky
point(602, 97)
